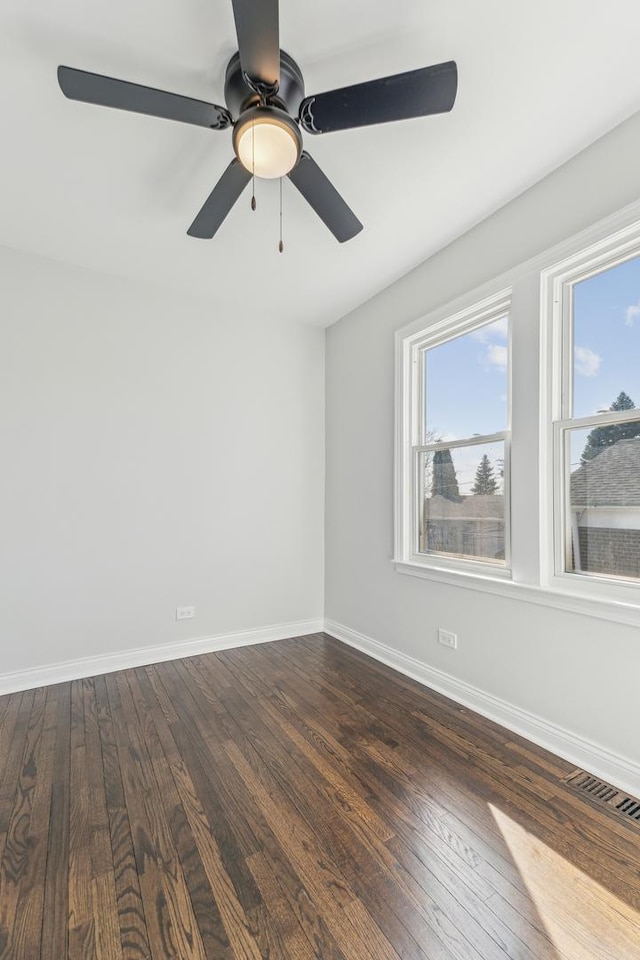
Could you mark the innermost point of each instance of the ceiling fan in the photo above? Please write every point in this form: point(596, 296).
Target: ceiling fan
point(264, 92)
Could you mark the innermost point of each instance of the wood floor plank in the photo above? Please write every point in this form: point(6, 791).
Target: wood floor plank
point(321, 805)
point(241, 801)
point(342, 793)
point(291, 801)
point(234, 834)
point(171, 924)
point(13, 750)
point(196, 846)
point(31, 901)
point(22, 865)
point(353, 841)
point(11, 709)
point(287, 900)
point(129, 907)
point(324, 882)
point(81, 911)
point(416, 816)
point(55, 929)
point(103, 884)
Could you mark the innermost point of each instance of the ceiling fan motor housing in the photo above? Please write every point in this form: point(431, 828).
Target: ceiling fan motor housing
point(239, 96)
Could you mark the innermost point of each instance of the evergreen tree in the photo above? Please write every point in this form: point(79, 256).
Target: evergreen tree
point(445, 482)
point(602, 437)
point(485, 483)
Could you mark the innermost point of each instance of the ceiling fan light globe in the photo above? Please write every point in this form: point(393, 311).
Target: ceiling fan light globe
point(267, 142)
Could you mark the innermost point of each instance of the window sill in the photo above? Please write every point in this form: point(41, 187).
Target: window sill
point(604, 609)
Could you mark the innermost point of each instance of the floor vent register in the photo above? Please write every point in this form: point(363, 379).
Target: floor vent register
point(604, 794)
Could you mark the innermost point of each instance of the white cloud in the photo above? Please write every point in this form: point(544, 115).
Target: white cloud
point(497, 355)
point(498, 330)
point(633, 312)
point(587, 363)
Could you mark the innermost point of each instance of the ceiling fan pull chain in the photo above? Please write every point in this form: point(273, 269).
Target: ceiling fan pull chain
point(253, 166)
point(281, 244)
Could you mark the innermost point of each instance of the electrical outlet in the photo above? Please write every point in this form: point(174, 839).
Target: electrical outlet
point(185, 613)
point(448, 639)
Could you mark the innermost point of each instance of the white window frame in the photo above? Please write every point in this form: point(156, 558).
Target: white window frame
point(411, 351)
point(535, 363)
point(557, 366)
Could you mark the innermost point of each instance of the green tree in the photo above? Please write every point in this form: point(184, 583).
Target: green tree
point(445, 482)
point(485, 482)
point(602, 437)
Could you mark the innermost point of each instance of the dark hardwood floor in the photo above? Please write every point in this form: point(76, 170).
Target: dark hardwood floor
point(295, 800)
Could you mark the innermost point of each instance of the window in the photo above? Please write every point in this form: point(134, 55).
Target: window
point(517, 467)
point(596, 425)
point(456, 441)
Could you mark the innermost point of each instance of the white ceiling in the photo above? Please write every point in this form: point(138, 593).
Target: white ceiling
point(538, 81)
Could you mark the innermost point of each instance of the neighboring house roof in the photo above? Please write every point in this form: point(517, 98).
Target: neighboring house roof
point(612, 478)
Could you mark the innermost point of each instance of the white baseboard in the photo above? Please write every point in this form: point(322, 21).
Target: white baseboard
point(620, 771)
point(142, 656)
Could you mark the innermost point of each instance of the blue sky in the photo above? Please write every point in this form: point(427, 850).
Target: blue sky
point(467, 393)
point(467, 383)
point(606, 319)
point(466, 378)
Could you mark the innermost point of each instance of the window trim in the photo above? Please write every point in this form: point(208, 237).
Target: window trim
point(409, 351)
point(532, 304)
point(556, 380)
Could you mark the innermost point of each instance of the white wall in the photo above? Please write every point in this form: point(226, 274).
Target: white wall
point(154, 454)
point(574, 672)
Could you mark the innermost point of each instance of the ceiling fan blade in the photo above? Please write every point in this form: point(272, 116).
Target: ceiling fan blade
point(108, 92)
point(220, 200)
point(318, 191)
point(257, 27)
point(417, 93)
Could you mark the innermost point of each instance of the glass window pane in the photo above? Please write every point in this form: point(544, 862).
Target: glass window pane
point(603, 492)
point(466, 384)
point(606, 340)
point(462, 502)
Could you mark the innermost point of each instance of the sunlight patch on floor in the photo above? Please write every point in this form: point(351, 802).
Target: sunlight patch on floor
point(584, 920)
